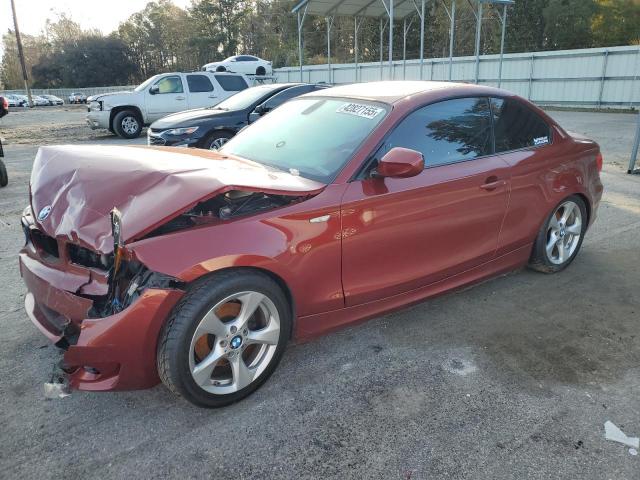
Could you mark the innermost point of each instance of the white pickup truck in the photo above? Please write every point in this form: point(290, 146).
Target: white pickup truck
point(126, 113)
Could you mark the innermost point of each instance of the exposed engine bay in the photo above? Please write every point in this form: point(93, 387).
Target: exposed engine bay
point(234, 203)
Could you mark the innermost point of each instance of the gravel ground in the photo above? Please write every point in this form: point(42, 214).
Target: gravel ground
point(513, 378)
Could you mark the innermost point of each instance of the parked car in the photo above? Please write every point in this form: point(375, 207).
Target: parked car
point(53, 100)
point(14, 100)
point(212, 127)
point(39, 101)
point(24, 99)
point(77, 98)
point(247, 64)
point(340, 205)
point(125, 113)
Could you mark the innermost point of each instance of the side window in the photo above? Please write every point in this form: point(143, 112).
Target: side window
point(287, 94)
point(445, 132)
point(516, 126)
point(245, 58)
point(171, 84)
point(199, 83)
point(231, 83)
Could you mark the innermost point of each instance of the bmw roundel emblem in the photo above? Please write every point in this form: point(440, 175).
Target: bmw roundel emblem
point(44, 213)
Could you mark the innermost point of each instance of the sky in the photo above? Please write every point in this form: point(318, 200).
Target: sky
point(104, 15)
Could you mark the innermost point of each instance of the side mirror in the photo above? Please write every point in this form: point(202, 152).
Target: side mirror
point(400, 163)
point(261, 109)
point(154, 89)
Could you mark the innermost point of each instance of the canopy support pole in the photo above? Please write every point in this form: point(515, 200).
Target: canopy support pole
point(421, 37)
point(478, 33)
point(300, 24)
point(356, 29)
point(405, 31)
point(503, 20)
point(452, 36)
point(452, 29)
point(390, 39)
point(329, 21)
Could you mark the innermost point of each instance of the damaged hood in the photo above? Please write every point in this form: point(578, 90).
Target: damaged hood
point(104, 96)
point(79, 186)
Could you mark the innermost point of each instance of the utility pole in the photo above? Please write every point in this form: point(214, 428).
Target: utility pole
point(21, 53)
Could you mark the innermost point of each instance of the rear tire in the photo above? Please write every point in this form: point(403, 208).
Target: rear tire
point(560, 237)
point(261, 71)
point(225, 338)
point(127, 124)
point(4, 177)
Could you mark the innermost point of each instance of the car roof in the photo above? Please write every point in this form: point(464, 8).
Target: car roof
point(396, 90)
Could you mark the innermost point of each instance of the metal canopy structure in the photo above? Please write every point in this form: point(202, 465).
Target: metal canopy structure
point(384, 10)
point(388, 11)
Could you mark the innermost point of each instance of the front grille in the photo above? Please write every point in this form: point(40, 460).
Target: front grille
point(43, 242)
point(88, 258)
point(154, 140)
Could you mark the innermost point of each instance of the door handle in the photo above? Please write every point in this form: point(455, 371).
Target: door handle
point(179, 98)
point(212, 96)
point(492, 183)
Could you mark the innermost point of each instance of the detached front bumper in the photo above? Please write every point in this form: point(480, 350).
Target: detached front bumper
point(117, 352)
point(98, 119)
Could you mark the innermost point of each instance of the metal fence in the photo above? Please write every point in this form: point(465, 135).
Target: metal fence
point(64, 93)
point(594, 77)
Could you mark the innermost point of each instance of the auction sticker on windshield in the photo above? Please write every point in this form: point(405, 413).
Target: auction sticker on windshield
point(359, 110)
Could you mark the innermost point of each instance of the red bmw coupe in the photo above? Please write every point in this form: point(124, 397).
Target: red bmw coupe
point(196, 268)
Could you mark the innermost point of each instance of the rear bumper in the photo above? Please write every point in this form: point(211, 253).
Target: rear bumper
point(112, 353)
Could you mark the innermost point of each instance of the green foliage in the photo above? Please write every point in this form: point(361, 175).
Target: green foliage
point(568, 24)
point(88, 60)
point(616, 22)
point(163, 37)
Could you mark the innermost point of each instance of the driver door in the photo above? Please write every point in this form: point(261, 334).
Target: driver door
point(166, 95)
point(400, 234)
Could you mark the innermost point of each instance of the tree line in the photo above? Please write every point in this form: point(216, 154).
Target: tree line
point(164, 37)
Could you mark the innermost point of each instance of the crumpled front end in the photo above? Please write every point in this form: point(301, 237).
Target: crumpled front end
point(109, 340)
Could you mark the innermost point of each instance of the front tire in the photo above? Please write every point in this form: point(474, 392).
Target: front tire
point(221, 69)
point(560, 237)
point(216, 140)
point(225, 338)
point(127, 124)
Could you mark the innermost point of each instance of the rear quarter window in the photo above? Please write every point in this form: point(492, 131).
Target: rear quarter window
point(231, 83)
point(199, 83)
point(516, 126)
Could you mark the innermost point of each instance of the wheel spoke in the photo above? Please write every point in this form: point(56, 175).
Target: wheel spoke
point(242, 375)
point(553, 240)
point(211, 324)
point(562, 251)
point(202, 371)
point(250, 302)
point(566, 214)
point(553, 222)
point(575, 228)
point(269, 335)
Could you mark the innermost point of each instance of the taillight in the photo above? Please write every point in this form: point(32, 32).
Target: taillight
point(5, 103)
point(599, 161)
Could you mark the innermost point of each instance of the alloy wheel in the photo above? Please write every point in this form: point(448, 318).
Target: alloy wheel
point(130, 125)
point(234, 342)
point(563, 232)
point(217, 143)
